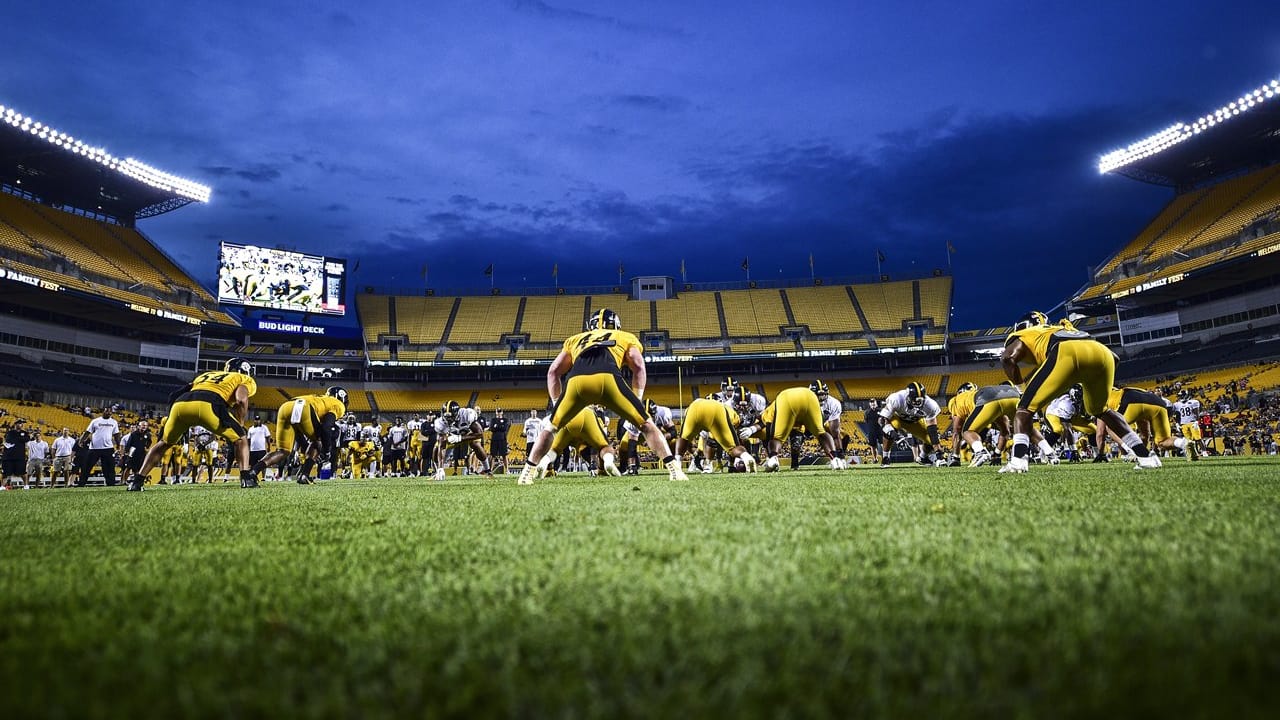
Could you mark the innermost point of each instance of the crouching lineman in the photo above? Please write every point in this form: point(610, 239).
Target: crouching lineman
point(832, 409)
point(459, 428)
point(585, 430)
point(309, 425)
point(912, 411)
point(588, 371)
point(1055, 358)
point(975, 409)
point(717, 420)
point(1147, 411)
point(218, 400)
point(793, 408)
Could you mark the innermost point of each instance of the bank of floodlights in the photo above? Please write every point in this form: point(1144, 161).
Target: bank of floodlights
point(1180, 132)
point(139, 171)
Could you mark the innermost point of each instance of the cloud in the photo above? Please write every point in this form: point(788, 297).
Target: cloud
point(540, 9)
point(335, 207)
point(656, 103)
point(258, 173)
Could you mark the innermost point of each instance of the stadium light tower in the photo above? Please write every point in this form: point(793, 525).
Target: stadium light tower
point(128, 167)
point(1182, 131)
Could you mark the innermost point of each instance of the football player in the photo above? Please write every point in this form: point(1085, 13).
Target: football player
point(586, 431)
point(912, 411)
point(588, 371)
point(1050, 358)
point(1149, 414)
point(832, 409)
point(794, 409)
point(218, 400)
point(395, 446)
point(458, 428)
point(978, 409)
point(717, 420)
point(1066, 419)
point(1188, 411)
point(307, 424)
point(413, 456)
point(629, 435)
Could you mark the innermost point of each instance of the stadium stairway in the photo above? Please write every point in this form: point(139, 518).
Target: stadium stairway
point(786, 306)
point(724, 327)
point(844, 394)
point(915, 299)
point(857, 309)
point(373, 403)
point(391, 314)
point(448, 326)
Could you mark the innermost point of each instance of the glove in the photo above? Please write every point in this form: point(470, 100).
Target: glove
point(454, 439)
point(747, 432)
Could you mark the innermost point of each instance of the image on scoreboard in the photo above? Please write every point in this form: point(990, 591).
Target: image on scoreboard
point(281, 279)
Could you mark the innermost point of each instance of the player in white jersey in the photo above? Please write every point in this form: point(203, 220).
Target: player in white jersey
point(532, 426)
point(832, 409)
point(459, 428)
point(629, 447)
point(910, 411)
point(1187, 409)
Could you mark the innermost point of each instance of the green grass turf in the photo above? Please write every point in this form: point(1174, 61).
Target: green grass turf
point(1072, 591)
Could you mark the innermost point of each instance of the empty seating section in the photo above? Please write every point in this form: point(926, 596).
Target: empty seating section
point(886, 305)
point(375, 316)
point(634, 314)
point(1230, 206)
point(270, 398)
point(552, 318)
point(935, 300)
point(483, 319)
point(416, 401)
point(114, 253)
point(981, 378)
point(691, 315)
point(879, 388)
point(1159, 225)
point(824, 309)
point(422, 319)
point(749, 313)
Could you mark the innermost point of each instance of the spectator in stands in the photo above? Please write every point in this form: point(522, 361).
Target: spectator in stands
point(14, 458)
point(37, 460)
point(100, 438)
point(64, 452)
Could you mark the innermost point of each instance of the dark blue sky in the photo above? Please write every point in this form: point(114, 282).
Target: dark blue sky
point(526, 133)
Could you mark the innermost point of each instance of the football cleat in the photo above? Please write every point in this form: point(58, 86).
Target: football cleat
point(248, 480)
point(980, 458)
point(707, 470)
point(135, 484)
point(1150, 462)
point(1016, 465)
point(837, 464)
point(1053, 459)
point(772, 464)
point(526, 475)
point(749, 461)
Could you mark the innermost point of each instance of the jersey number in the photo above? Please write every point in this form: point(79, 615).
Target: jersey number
point(597, 341)
point(212, 378)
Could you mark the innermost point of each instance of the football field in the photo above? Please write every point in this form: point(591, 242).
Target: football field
point(1081, 590)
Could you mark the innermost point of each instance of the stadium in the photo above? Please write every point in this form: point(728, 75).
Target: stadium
point(98, 315)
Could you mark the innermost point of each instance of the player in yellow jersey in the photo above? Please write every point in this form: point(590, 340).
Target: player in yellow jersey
point(309, 425)
point(362, 454)
point(585, 430)
point(1051, 358)
point(793, 408)
point(201, 449)
point(588, 371)
point(1145, 410)
point(218, 400)
point(976, 409)
point(719, 421)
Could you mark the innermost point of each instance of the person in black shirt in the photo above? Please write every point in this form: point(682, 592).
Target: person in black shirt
point(13, 461)
point(136, 448)
point(498, 441)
